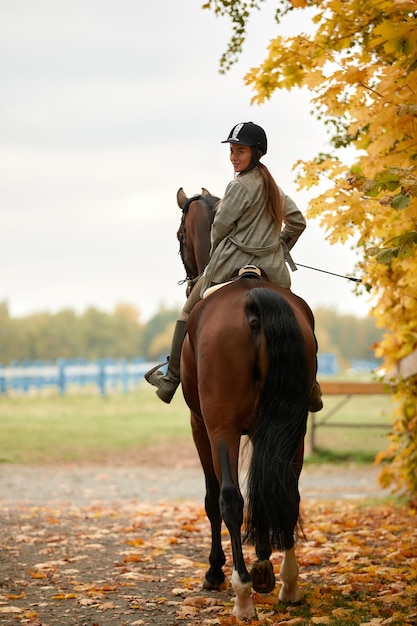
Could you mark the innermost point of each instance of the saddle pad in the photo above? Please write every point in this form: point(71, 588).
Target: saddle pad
point(252, 270)
point(214, 288)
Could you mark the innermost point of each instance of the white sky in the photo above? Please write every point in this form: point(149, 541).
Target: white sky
point(107, 107)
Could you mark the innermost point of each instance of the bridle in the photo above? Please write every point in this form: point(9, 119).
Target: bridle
point(210, 202)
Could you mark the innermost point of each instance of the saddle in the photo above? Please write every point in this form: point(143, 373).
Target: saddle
point(247, 271)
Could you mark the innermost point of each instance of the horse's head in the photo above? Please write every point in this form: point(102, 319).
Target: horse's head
point(194, 232)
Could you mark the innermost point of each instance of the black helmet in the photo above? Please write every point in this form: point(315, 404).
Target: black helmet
point(248, 134)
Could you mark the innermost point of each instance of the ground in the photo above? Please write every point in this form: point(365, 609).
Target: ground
point(126, 543)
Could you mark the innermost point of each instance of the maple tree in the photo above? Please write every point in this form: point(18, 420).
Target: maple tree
point(360, 66)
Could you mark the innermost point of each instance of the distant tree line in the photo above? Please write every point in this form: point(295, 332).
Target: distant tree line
point(121, 334)
point(347, 336)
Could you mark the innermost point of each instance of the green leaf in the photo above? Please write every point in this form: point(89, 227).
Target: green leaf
point(387, 177)
point(400, 201)
point(407, 249)
point(387, 255)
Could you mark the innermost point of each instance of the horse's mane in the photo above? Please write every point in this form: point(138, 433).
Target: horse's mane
point(210, 201)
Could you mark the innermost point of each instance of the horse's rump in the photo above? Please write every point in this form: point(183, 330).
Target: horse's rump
point(248, 366)
point(220, 330)
point(219, 354)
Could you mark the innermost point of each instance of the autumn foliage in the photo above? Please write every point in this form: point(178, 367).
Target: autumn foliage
point(360, 66)
point(138, 564)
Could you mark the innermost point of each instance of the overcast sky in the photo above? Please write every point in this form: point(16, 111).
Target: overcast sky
point(107, 107)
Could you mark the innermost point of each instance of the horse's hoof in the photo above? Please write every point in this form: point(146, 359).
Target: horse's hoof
point(245, 613)
point(290, 594)
point(213, 583)
point(263, 577)
point(247, 619)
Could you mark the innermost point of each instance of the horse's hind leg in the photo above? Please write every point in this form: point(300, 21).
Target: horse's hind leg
point(231, 507)
point(214, 576)
point(262, 572)
point(290, 591)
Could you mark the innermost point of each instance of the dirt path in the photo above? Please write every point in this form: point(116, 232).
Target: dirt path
point(86, 485)
point(157, 474)
point(123, 543)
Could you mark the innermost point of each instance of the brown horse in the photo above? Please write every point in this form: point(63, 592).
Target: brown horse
point(247, 367)
point(194, 232)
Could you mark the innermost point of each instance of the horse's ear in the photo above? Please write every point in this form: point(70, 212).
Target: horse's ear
point(181, 197)
point(205, 192)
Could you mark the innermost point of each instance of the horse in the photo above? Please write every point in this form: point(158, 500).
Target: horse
point(248, 364)
point(194, 232)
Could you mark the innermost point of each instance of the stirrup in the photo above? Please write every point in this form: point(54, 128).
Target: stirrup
point(154, 369)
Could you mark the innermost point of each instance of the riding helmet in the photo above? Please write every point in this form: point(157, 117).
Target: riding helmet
point(248, 134)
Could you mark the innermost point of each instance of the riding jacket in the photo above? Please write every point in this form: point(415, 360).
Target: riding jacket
point(243, 232)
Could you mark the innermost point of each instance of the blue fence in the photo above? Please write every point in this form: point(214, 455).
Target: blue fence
point(106, 374)
point(327, 365)
point(109, 374)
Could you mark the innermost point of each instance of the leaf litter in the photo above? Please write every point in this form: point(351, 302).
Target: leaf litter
point(143, 564)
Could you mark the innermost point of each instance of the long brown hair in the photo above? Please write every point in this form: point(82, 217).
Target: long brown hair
point(273, 199)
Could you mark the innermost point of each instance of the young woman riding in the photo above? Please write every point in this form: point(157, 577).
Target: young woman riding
point(255, 224)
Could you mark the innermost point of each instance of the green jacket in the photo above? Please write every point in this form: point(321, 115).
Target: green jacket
point(244, 233)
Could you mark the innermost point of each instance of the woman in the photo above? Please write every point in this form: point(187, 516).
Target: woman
point(247, 230)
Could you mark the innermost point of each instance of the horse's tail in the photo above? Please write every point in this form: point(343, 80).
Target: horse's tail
point(273, 497)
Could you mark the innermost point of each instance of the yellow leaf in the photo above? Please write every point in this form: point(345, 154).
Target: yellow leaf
point(135, 542)
point(37, 574)
point(29, 615)
point(340, 612)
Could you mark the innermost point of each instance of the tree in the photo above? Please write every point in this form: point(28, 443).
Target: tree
point(157, 335)
point(7, 336)
point(347, 336)
point(361, 68)
point(127, 331)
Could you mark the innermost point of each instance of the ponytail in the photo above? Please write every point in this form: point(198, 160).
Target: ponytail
point(273, 198)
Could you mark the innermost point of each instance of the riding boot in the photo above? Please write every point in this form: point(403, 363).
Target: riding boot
point(167, 383)
point(315, 403)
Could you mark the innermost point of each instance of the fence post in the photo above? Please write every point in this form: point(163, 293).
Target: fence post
point(124, 375)
point(25, 377)
point(3, 383)
point(101, 376)
point(61, 377)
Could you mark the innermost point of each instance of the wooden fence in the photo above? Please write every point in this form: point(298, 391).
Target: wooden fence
point(347, 390)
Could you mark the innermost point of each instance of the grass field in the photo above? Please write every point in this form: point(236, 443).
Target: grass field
point(48, 428)
point(358, 442)
point(76, 427)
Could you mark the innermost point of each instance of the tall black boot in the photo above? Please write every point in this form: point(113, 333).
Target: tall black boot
point(167, 383)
